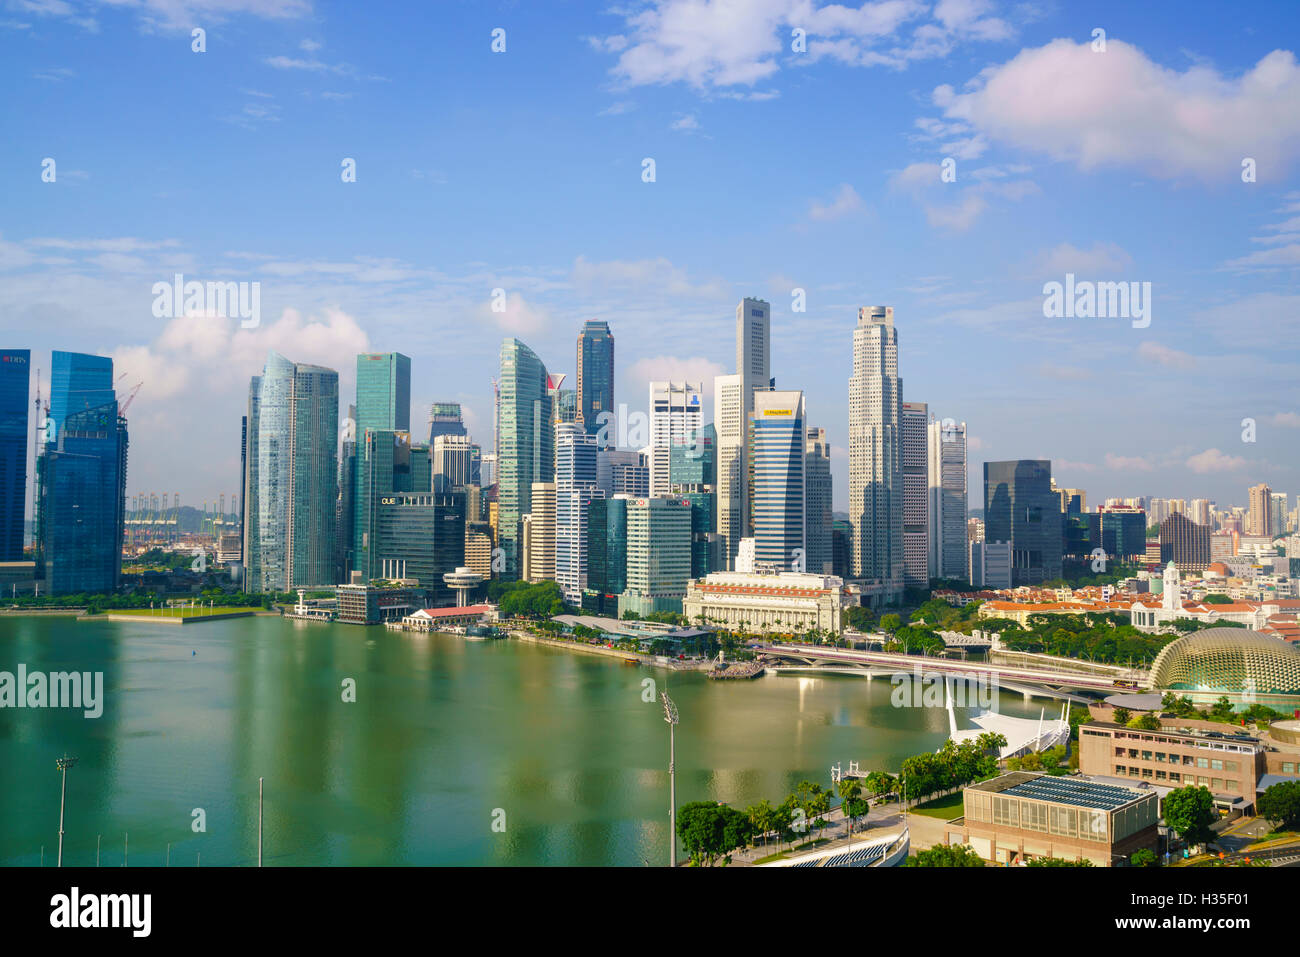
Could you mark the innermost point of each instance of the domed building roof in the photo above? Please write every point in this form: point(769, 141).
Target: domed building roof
point(1220, 660)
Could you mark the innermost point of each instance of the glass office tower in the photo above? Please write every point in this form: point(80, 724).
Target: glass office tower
point(525, 444)
point(1021, 507)
point(15, 381)
point(83, 478)
point(595, 374)
point(383, 402)
point(290, 517)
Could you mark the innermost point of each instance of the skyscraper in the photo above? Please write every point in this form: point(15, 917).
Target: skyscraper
point(732, 422)
point(818, 517)
point(623, 472)
point(445, 418)
point(383, 402)
point(916, 494)
point(675, 413)
point(1184, 543)
point(290, 503)
point(947, 477)
point(754, 347)
point(525, 444)
point(1021, 507)
point(575, 488)
point(15, 381)
point(658, 555)
point(606, 555)
point(595, 374)
point(83, 478)
point(456, 458)
point(777, 442)
point(1260, 519)
point(875, 454)
point(541, 537)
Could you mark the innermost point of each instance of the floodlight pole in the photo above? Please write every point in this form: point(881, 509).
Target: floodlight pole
point(670, 716)
point(63, 764)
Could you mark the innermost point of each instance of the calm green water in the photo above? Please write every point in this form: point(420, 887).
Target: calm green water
point(443, 733)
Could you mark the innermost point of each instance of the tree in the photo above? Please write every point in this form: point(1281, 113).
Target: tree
point(710, 830)
point(891, 623)
point(1217, 599)
point(760, 818)
point(1144, 857)
point(946, 855)
point(1281, 805)
point(880, 783)
point(854, 806)
point(1145, 722)
point(1122, 716)
point(1189, 811)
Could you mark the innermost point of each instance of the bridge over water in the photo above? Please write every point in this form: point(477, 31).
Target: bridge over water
point(843, 660)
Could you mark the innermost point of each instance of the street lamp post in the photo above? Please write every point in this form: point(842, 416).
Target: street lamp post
point(670, 716)
point(63, 764)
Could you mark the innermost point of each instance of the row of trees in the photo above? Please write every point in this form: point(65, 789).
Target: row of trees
point(953, 765)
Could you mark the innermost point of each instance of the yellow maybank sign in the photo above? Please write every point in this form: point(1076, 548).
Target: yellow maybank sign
point(778, 411)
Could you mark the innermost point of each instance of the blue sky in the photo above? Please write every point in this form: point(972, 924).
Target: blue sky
point(775, 169)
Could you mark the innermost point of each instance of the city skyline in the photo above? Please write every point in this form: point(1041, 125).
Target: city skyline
point(341, 274)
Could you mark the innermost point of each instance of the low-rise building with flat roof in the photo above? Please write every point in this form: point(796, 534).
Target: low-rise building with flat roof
point(1018, 816)
point(1226, 762)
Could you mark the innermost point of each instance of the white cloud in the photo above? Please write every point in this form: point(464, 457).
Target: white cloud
point(686, 123)
point(1212, 460)
point(1119, 108)
point(846, 202)
point(713, 44)
point(1288, 419)
point(520, 318)
point(1100, 258)
point(1166, 356)
point(1127, 463)
point(659, 276)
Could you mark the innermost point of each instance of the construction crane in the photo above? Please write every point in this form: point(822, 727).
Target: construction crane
point(121, 410)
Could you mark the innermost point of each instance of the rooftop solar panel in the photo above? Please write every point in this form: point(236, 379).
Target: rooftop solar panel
point(1086, 794)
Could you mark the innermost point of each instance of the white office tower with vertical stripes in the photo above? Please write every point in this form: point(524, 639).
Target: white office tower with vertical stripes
point(733, 397)
point(948, 550)
point(875, 456)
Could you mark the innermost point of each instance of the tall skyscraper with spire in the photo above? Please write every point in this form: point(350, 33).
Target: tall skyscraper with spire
point(595, 374)
point(525, 444)
point(875, 452)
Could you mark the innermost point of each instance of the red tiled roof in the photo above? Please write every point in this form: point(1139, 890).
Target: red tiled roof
point(456, 612)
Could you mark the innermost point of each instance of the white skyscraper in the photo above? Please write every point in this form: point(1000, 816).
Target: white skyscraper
point(754, 345)
point(575, 487)
point(732, 479)
point(676, 411)
point(947, 449)
point(875, 460)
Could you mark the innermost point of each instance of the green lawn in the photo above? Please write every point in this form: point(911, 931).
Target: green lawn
point(944, 808)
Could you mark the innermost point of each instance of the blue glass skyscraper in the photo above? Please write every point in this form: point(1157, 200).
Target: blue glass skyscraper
point(15, 379)
point(83, 478)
